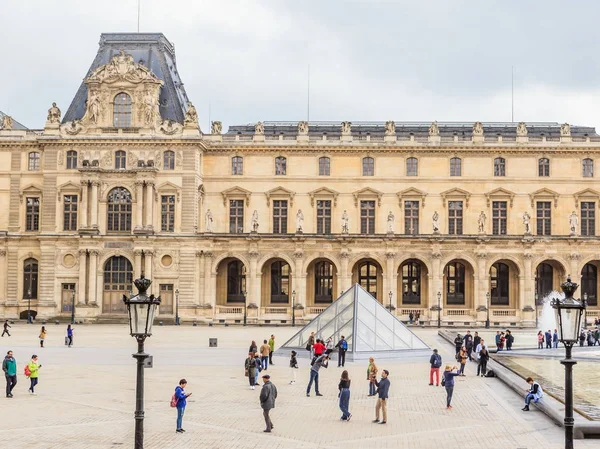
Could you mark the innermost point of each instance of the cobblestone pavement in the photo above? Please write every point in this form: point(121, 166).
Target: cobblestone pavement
point(86, 398)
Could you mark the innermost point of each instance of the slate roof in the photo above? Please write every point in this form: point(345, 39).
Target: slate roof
point(154, 51)
point(16, 125)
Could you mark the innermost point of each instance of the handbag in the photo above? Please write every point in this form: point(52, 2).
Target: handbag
point(443, 381)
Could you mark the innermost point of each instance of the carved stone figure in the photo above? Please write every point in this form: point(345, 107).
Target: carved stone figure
point(72, 128)
point(481, 222)
point(390, 223)
point(54, 114)
point(527, 222)
point(216, 127)
point(477, 129)
point(169, 127)
point(436, 222)
point(565, 130)
point(259, 129)
point(390, 128)
point(209, 221)
point(7, 122)
point(434, 129)
point(122, 67)
point(521, 129)
point(345, 222)
point(255, 221)
point(93, 111)
point(346, 127)
point(573, 223)
point(303, 128)
point(149, 108)
point(299, 221)
point(191, 116)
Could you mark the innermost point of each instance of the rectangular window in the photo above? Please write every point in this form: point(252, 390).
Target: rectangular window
point(543, 217)
point(167, 213)
point(280, 216)
point(499, 216)
point(324, 166)
point(236, 216)
point(32, 214)
point(588, 218)
point(411, 217)
point(455, 217)
point(323, 216)
point(34, 161)
point(367, 217)
point(70, 213)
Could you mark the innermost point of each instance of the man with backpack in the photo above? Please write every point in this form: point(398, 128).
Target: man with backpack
point(9, 366)
point(342, 346)
point(436, 362)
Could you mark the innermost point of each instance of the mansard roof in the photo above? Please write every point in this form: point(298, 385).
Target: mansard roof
point(15, 125)
point(153, 51)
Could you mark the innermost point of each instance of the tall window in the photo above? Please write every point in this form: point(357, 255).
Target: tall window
point(499, 216)
point(499, 166)
point(544, 280)
point(280, 165)
point(588, 218)
point(32, 214)
point(237, 165)
point(499, 284)
point(411, 217)
point(236, 216)
point(280, 216)
point(71, 159)
point(367, 217)
point(588, 168)
point(122, 111)
point(455, 217)
point(543, 213)
point(589, 283)
point(280, 282)
point(30, 279)
point(412, 166)
point(120, 159)
point(34, 161)
point(70, 213)
point(411, 283)
point(236, 281)
point(368, 166)
point(324, 166)
point(323, 282)
point(119, 210)
point(455, 166)
point(169, 160)
point(367, 277)
point(323, 216)
point(544, 167)
point(455, 283)
point(167, 213)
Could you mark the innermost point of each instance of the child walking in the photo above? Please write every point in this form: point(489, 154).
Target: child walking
point(42, 336)
point(293, 367)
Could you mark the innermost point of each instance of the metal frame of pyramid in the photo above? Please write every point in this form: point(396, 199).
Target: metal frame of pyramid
point(370, 329)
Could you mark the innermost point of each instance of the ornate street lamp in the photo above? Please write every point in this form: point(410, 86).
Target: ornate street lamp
point(73, 307)
point(245, 293)
point(177, 323)
point(585, 299)
point(487, 320)
point(390, 294)
point(29, 306)
point(294, 308)
point(439, 309)
point(141, 309)
point(568, 314)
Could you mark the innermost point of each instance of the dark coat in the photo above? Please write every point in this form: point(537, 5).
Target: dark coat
point(268, 394)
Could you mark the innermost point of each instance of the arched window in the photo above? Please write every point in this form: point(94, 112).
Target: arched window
point(323, 282)
point(236, 281)
point(455, 283)
point(34, 161)
point(324, 166)
point(544, 167)
point(122, 111)
point(30, 279)
point(411, 283)
point(118, 277)
point(237, 165)
point(119, 210)
point(368, 166)
point(71, 159)
point(169, 160)
point(367, 277)
point(120, 159)
point(499, 284)
point(455, 166)
point(589, 283)
point(588, 168)
point(544, 280)
point(280, 282)
point(412, 166)
point(280, 165)
point(499, 166)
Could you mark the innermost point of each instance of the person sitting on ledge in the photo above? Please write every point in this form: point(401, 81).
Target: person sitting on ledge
point(535, 393)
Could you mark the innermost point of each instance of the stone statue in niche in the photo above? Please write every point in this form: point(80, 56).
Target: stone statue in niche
point(436, 222)
point(259, 129)
point(303, 128)
point(477, 129)
point(390, 223)
point(390, 128)
point(216, 127)
point(345, 222)
point(149, 108)
point(299, 221)
point(434, 129)
point(527, 223)
point(54, 114)
point(209, 221)
point(93, 108)
point(521, 129)
point(573, 223)
point(255, 221)
point(481, 222)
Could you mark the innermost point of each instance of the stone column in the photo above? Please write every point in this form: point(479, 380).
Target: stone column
point(575, 270)
point(299, 279)
point(481, 288)
point(149, 203)
point(148, 264)
point(137, 264)
point(94, 205)
point(437, 284)
point(82, 287)
point(209, 281)
point(3, 275)
point(139, 199)
point(200, 273)
point(389, 280)
point(521, 303)
point(344, 275)
point(83, 219)
point(254, 286)
point(93, 276)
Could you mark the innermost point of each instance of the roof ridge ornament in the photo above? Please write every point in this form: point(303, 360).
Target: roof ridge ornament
point(122, 67)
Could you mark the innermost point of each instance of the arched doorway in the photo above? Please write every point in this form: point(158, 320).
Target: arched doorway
point(231, 282)
point(276, 283)
point(369, 275)
point(321, 283)
point(412, 283)
point(118, 279)
point(458, 284)
point(499, 284)
point(548, 276)
point(589, 282)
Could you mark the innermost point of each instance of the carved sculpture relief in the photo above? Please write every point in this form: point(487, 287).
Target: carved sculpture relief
point(170, 127)
point(390, 128)
point(54, 114)
point(303, 128)
point(521, 129)
point(72, 128)
point(565, 130)
point(346, 127)
point(259, 129)
point(7, 123)
point(216, 127)
point(191, 116)
point(477, 129)
point(434, 129)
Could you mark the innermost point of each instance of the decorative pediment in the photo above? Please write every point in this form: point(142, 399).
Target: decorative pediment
point(236, 193)
point(544, 194)
point(411, 193)
point(30, 190)
point(367, 192)
point(456, 193)
point(168, 187)
point(585, 194)
point(500, 193)
point(323, 192)
point(280, 192)
point(68, 188)
point(122, 67)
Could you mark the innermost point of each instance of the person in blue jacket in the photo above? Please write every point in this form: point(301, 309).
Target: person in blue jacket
point(449, 373)
point(181, 396)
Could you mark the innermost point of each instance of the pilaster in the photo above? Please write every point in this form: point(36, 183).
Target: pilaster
point(82, 284)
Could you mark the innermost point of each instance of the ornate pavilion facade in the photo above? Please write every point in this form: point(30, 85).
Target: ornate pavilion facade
point(282, 217)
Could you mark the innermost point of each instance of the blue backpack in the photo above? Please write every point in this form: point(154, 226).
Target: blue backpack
point(344, 345)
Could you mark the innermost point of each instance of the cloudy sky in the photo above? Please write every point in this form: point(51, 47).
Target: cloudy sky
point(370, 60)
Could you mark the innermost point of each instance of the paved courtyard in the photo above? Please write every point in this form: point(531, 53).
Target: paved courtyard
point(86, 398)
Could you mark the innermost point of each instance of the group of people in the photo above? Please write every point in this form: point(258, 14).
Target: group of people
point(414, 317)
point(473, 348)
point(592, 337)
point(31, 370)
point(43, 334)
point(318, 347)
point(259, 360)
point(551, 339)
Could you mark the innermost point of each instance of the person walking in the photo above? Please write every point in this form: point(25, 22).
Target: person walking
point(258, 366)
point(9, 366)
point(268, 394)
point(42, 336)
point(484, 356)
point(555, 339)
point(344, 395)
point(253, 348)
point(372, 376)
point(498, 338)
point(264, 354)
point(310, 344)
point(293, 367)
point(321, 361)
point(70, 335)
point(476, 340)
point(180, 397)
point(581, 338)
point(6, 327)
point(271, 349)
point(462, 358)
point(548, 336)
point(449, 374)
point(435, 362)
point(342, 347)
point(534, 393)
point(34, 368)
point(458, 341)
point(410, 318)
point(509, 340)
point(540, 339)
point(469, 347)
point(383, 390)
point(250, 369)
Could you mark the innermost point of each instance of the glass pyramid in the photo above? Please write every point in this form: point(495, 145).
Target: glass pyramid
point(369, 329)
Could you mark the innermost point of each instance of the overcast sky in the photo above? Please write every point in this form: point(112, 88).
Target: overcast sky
point(445, 60)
